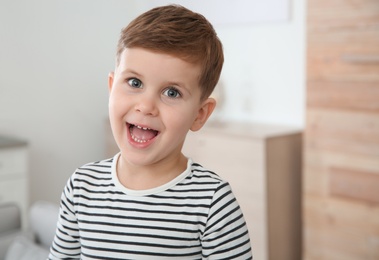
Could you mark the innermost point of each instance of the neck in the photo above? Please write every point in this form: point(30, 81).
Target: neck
point(143, 177)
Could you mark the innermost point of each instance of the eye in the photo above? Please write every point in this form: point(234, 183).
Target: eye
point(172, 92)
point(135, 83)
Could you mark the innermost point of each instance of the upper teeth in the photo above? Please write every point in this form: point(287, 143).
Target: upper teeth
point(143, 128)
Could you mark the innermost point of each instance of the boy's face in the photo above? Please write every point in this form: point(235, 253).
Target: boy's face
point(154, 101)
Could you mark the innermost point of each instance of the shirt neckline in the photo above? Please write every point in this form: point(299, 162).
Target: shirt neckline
point(147, 192)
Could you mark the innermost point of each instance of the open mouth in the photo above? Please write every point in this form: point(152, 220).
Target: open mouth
point(141, 134)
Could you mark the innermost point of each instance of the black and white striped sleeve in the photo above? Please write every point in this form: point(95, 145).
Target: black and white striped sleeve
point(226, 235)
point(66, 243)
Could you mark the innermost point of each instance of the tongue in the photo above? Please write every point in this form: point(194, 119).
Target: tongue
point(143, 134)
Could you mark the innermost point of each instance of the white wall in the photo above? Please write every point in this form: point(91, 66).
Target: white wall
point(54, 61)
point(264, 73)
point(55, 57)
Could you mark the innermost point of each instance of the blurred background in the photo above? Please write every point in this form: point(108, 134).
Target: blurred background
point(308, 65)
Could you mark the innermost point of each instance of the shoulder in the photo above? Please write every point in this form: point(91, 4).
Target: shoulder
point(93, 173)
point(204, 177)
point(98, 166)
point(90, 180)
point(202, 174)
point(220, 187)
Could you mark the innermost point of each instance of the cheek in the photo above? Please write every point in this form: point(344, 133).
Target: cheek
point(181, 120)
point(117, 104)
point(112, 108)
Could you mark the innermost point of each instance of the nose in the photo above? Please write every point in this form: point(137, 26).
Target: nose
point(146, 104)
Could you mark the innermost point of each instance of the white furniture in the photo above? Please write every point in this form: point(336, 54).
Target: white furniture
point(13, 174)
point(32, 243)
point(263, 165)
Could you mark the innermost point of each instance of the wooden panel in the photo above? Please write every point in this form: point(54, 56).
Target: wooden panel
point(360, 97)
point(341, 148)
point(342, 20)
point(353, 131)
point(337, 64)
point(324, 159)
point(354, 184)
point(343, 39)
point(341, 229)
point(352, 12)
point(315, 178)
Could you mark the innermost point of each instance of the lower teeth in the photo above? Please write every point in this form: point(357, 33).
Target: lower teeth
point(138, 140)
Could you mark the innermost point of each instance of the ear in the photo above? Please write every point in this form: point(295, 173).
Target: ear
point(110, 81)
point(204, 112)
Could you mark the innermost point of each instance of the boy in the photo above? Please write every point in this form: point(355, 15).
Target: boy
point(150, 201)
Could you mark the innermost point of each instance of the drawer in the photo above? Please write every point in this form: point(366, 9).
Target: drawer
point(13, 191)
point(16, 191)
point(13, 161)
point(243, 166)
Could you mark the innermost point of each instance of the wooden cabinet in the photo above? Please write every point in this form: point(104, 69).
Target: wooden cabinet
point(263, 165)
point(13, 174)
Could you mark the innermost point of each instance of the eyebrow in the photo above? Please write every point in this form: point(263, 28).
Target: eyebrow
point(131, 71)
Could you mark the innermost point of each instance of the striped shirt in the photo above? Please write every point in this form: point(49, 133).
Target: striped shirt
point(194, 216)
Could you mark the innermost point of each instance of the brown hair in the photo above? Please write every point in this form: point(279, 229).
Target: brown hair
point(175, 30)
